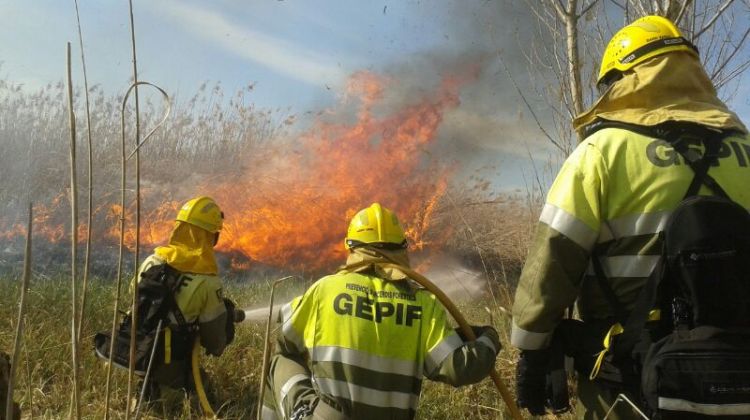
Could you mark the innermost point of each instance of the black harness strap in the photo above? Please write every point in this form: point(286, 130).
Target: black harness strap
point(675, 134)
point(620, 312)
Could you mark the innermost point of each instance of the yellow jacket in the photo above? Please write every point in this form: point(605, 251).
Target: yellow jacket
point(615, 192)
point(371, 342)
point(200, 301)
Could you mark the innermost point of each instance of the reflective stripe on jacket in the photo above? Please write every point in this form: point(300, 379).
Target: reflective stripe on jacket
point(371, 341)
point(612, 197)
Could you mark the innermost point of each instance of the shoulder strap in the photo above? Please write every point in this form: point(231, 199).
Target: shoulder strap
point(701, 164)
point(174, 287)
point(675, 134)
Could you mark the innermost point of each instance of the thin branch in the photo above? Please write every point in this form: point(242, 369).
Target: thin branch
point(529, 107)
point(713, 19)
point(136, 256)
point(621, 6)
point(9, 406)
point(73, 238)
point(559, 8)
point(685, 6)
point(586, 9)
point(737, 49)
point(89, 224)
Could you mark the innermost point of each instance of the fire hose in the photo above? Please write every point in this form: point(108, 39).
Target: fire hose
point(195, 367)
point(452, 309)
point(208, 412)
point(465, 328)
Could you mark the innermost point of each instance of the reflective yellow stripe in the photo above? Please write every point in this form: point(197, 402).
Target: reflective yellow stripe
point(443, 349)
point(365, 360)
point(567, 224)
point(614, 330)
point(528, 340)
point(369, 396)
point(634, 224)
point(167, 345)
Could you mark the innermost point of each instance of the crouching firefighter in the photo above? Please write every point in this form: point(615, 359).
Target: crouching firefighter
point(646, 228)
point(180, 304)
point(358, 343)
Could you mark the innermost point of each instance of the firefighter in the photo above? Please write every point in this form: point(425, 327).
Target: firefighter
point(203, 311)
point(358, 343)
point(611, 199)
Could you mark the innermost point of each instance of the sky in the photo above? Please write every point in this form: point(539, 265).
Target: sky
point(298, 55)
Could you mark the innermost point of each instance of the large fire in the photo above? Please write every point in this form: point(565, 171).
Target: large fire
point(292, 210)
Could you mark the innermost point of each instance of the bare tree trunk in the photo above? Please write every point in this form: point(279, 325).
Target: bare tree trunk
point(574, 65)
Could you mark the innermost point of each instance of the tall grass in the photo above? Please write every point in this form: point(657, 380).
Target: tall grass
point(43, 384)
point(209, 136)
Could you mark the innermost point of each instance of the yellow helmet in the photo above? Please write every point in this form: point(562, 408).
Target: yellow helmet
point(645, 38)
point(375, 226)
point(202, 212)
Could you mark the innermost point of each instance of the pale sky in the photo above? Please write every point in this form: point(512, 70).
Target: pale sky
point(297, 54)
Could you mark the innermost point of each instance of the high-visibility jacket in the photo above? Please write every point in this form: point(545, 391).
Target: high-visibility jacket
point(371, 341)
point(611, 199)
point(200, 300)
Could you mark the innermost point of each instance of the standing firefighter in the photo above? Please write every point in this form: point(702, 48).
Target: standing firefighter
point(649, 141)
point(358, 343)
point(179, 288)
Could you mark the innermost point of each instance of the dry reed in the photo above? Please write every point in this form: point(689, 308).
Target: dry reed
point(19, 323)
point(73, 237)
point(90, 204)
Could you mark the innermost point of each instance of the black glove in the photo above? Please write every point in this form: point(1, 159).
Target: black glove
point(231, 309)
point(531, 380)
point(482, 330)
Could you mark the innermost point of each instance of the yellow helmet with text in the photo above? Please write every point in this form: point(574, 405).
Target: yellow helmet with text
point(202, 212)
point(645, 38)
point(375, 226)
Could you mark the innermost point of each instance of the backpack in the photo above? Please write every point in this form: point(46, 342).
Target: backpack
point(698, 365)
point(156, 290)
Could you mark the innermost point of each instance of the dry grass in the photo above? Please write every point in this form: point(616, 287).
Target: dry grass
point(205, 129)
point(209, 137)
point(44, 372)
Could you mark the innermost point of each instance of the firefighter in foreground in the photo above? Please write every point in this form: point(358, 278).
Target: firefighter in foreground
point(612, 196)
point(358, 343)
point(201, 308)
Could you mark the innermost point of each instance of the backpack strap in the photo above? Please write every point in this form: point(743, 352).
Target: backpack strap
point(675, 134)
point(175, 282)
point(701, 164)
point(621, 314)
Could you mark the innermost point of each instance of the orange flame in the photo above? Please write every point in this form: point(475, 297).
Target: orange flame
point(291, 207)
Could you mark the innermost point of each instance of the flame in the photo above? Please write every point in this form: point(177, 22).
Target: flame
point(290, 207)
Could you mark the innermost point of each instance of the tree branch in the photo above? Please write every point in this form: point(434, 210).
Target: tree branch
point(587, 8)
point(528, 106)
point(557, 4)
point(682, 11)
point(737, 49)
point(713, 19)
